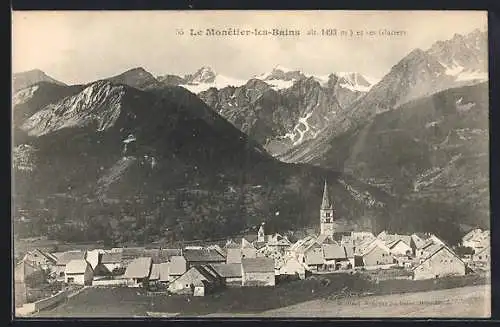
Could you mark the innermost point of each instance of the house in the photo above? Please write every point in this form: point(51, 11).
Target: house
point(164, 255)
point(233, 252)
point(378, 255)
point(112, 260)
point(308, 251)
point(482, 258)
point(278, 243)
point(416, 242)
point(391, 238)
point(229, 272)
point(202, 256)
point(248, 250)
point(40, 258)
point(64, 258)
point(257, 272)
point(441, 262)
point(94, 257)
point(78, 272)
point(129, 254)
point(292, 267)
point(313, 257)
point(334, 255)
point(197, 281)
point(399, 247)
point(138, 271)
point(477, 239)
point(160, 272)
point(177, 267)
point(349, 252)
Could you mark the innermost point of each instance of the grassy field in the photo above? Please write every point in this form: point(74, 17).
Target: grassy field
point(129, 302)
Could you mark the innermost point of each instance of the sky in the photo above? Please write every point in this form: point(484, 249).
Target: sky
point(80, 47)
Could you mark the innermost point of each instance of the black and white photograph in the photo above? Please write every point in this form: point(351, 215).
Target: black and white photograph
point(293, 164)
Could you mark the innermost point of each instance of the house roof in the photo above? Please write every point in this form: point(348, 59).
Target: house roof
point(417, 240)
point(111, 257)
point(160, 271)
point(227, 270)
point(392, 244)
point(349, 251)
point(250, 238)
point(66, 257)
point(78, 266)
point(314, 257)
point(203, 255)
point(47, 255)
point(131, 253)
point(389, 238)
point(251, 265)
point(139, 268)
point(437, 250)
point(245, 244)
point(333, 251)
point(232, 245)
point(375, 244)
point(177, 265)
point(197, 275)
point(259, 245)
point(163, 255)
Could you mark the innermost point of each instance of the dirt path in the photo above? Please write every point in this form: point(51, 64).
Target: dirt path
point(473, 301)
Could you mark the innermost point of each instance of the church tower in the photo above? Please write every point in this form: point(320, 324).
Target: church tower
point(326, 214)
point(260, 235)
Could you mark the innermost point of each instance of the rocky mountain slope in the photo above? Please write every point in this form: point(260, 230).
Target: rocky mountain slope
point(28, 78)
point(457, 62)
point(283, 109)
point(431, 149)
point(115, 163)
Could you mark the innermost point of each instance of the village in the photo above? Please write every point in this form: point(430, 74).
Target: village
point(42, 279)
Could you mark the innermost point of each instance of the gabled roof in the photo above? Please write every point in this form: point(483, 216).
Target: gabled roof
point(389, 238)
point(47, 255)
point(227, 270)
point(164, 255)
point(251, 265)
point(250, 238)
point(232, 245)
point(417, 240)
point(160, 271)
point(197, 275)
point(66, 257)
point(245, 244)
point(375, 244)
point(111, 257)
point(392, 244)
point(139, 268)
point(78, 266)
point(435, 250)
point(349, 251)
point(203, 255)
point(177, 265)
point(333, 251)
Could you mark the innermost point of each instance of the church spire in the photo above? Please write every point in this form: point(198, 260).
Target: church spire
point(326, 204)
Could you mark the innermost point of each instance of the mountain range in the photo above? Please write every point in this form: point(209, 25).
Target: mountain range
point(136, 157)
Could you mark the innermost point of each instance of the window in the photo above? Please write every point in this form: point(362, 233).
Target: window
point(71, 279)
point(61, 274)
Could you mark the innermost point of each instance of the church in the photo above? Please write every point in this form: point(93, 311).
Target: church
point(327, 214)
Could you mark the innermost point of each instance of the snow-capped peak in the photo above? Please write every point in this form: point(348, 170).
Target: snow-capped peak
point(206, 78)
